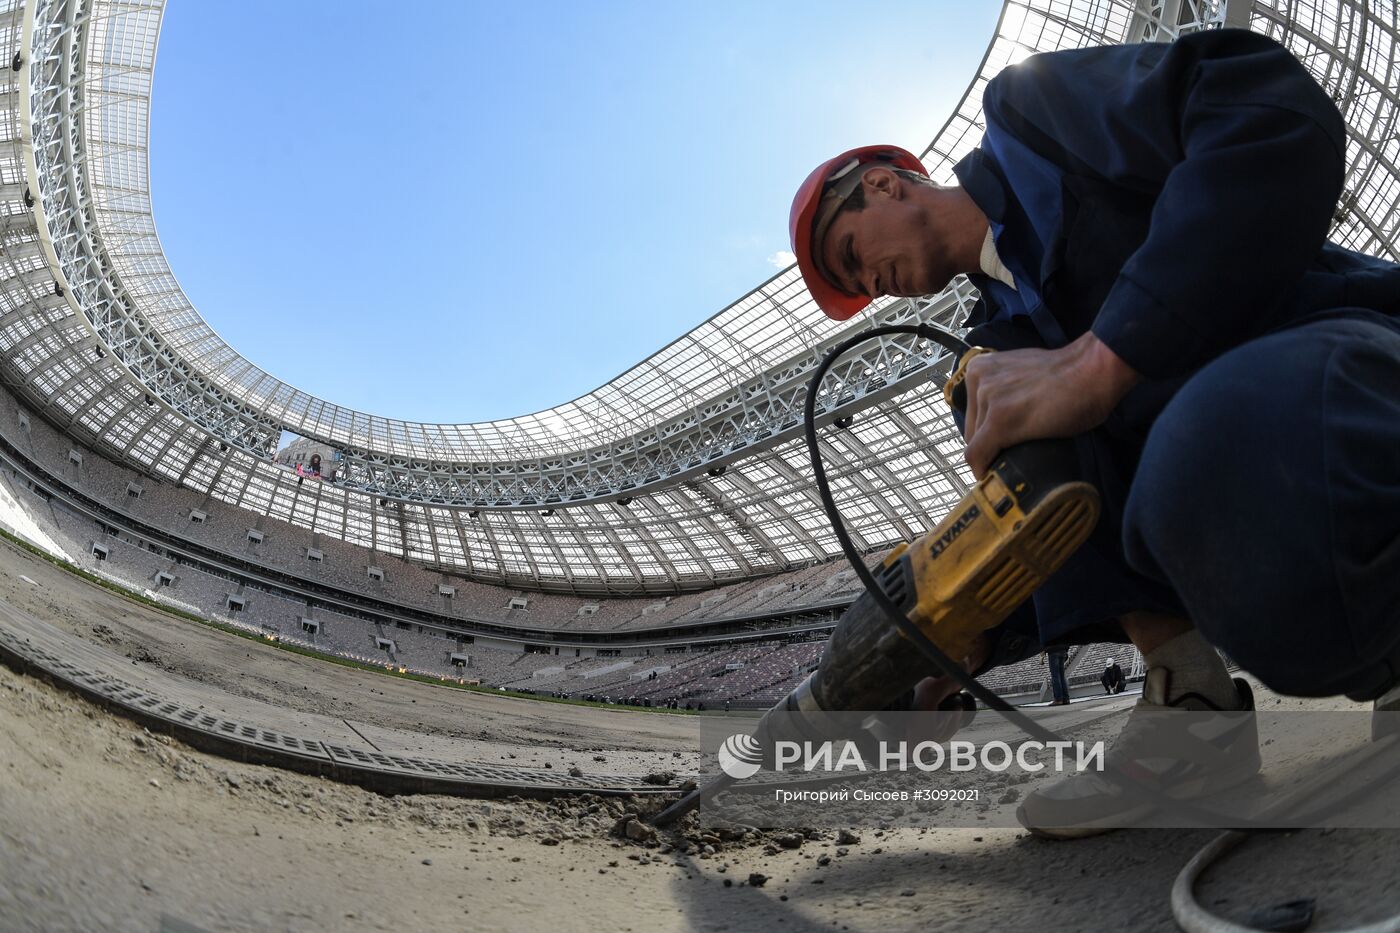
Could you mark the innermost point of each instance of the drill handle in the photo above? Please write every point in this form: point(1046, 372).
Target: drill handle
point(1052, 461)
point(954, 391)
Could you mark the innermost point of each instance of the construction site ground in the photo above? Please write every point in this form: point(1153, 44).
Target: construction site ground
point(105, 826)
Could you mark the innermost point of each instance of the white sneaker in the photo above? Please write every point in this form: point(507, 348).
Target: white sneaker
point(1386, 718)
point(1181, 756)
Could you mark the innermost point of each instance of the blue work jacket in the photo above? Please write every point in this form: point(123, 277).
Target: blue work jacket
point(1174, 198)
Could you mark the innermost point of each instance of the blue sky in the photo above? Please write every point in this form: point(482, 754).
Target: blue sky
point(457, 211)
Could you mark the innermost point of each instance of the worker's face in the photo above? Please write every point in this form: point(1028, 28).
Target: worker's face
point(891, 247)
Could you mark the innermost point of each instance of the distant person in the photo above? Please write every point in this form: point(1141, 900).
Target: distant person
point(1112, 678)
point(1059, 686)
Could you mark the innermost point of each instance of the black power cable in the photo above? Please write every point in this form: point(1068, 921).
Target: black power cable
point(941, 662)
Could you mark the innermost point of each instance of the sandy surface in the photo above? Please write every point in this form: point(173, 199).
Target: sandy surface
point(105, 827)
point(488, 728)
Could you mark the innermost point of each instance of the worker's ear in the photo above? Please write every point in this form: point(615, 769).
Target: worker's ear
point(882, 182)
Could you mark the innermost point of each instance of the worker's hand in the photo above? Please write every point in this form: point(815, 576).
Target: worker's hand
point(1022, 395)
point(930, 693)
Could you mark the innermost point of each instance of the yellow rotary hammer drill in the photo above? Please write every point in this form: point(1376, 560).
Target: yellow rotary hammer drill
point(1014, 529)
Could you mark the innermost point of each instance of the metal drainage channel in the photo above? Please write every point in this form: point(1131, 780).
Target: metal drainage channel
point(373, 770)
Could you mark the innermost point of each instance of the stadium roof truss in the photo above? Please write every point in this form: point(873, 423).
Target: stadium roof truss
point(685, 471)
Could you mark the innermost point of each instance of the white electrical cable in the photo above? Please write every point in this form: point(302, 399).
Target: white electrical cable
point(1188, 913)
point(1193, 918)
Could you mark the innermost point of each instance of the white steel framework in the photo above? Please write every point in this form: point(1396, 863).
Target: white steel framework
point(682, 472)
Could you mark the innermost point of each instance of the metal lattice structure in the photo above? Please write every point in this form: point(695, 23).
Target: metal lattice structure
point(685, 471)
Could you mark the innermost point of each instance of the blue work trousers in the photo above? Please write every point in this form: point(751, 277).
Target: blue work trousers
point(1260, 497)
point(1059, 686)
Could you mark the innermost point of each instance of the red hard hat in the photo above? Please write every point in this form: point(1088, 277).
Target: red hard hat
point(818, 200)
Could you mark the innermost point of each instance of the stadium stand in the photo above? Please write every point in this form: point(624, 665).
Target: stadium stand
point(750, 675)
point(283, 547)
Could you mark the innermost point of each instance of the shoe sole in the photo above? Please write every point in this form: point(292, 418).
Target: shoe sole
point(1124, 819)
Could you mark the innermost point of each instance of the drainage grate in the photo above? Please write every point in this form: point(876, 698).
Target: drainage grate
point(345, 762)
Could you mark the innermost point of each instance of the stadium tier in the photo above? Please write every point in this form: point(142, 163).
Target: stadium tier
point(803, 604)
point(142, 534)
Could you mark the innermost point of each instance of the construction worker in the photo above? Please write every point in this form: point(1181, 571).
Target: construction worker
point(1056, 656)
point(1112, 677)
point(1147, 228)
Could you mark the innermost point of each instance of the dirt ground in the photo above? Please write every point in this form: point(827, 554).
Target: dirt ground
point(492, 728)
point(106, 827)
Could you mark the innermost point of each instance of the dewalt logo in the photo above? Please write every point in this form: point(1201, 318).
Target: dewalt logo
point(958, 527)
